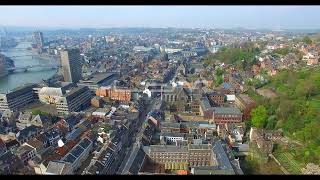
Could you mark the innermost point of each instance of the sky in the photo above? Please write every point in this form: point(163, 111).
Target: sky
point(252, 17)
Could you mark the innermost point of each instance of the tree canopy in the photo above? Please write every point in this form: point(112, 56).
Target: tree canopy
point(259, 116)
point(295, 110)
point(245, 54)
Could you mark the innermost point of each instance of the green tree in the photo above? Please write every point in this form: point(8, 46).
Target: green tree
point(218, 81)
point(219, 72)
point(259, 116)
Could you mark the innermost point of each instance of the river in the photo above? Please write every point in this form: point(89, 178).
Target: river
point(35, 75)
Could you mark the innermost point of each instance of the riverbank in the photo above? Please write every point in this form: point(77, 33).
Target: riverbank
point(23, 58)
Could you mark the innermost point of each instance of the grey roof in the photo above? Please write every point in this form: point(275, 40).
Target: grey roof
point(74, 134)
point(85, 123)
point(24, 149)
point(221, 155)
point(76, 151)
point(75, 92)
point(20, 90)
point(72, 120)
point(134, 162)
point(85, 143)
point(28, 131)
point(57, 167)
point(23, 116)
point(98, 78)
point(102, 163)
point(52, 133)
point(202, 125)
point(7, 157)
point(42, 118)
point(170, 125)
point(69, 158)
point(138, 162)
point(199, 146)
point(165, 148)
point(226, 110)
point(205, 104)
point(190, 124)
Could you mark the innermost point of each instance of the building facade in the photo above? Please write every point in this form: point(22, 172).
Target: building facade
point(114, 93)
point(17, 98)
point(223, 115)
point(74, 101)
point(217, 99)
point(245, 104)
point(194, 155)
point(71, 65)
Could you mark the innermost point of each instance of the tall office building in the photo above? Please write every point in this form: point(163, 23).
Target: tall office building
point(38, 39)
point(71, 65)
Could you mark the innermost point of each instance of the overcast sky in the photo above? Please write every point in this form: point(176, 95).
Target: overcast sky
point(272, 17)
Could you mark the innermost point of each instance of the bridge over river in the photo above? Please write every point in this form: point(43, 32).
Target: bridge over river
point(30, 67)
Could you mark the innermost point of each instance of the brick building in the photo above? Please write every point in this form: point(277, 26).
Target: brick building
point(97, 102)
point(114, 93)
point(216, 99)
point(223, 115)
point(245, 104)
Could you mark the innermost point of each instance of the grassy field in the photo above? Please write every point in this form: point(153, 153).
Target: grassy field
point(48, 108)
point(289, 163)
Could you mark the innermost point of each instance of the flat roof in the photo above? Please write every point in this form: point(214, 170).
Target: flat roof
point(75, 91)
point(98, 78)
point(56, 167)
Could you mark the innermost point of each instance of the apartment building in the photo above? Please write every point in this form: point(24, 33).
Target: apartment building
point(74, 101)
point(17, 98)
point(223, 115)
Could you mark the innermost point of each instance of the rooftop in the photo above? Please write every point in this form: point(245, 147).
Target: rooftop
point(222, 158)
point(134, 162)
point(205, 104)
point(24, 149)
point(98, 78)
point(75, 91)
point(57, 167)
point(199, 146)
point(165, 148)
point(226, 110)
